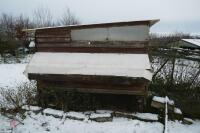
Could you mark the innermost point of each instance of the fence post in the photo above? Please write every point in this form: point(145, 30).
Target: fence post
point(166, 115)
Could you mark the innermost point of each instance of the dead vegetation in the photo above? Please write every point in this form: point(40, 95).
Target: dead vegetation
point(12, 99)
point(176, 73)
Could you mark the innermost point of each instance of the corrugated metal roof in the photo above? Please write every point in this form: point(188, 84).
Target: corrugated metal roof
point(109, 64)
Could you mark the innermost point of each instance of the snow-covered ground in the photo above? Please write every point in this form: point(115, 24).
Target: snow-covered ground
point(38, 123)
point(11, 75)
point(9, 59)
point(184, 69)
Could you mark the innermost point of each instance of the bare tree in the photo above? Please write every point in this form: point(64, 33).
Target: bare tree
point(22, 22)
point(7, 25)
point(42, 17)
point(11, 34)
point(68, 18)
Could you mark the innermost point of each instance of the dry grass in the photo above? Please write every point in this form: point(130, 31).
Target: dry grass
point(15, 98)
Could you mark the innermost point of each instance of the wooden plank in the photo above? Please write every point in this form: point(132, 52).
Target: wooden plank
point(159, 105)
point(95, 79)
point(56, 34)
point(93, 50)
point(103, 91)
point(90, 85)
point(134, 44)
point(93, 84)
point(53, 31)
point(52, 40)
point(54, 44)
point(53, 35)
point(95, 90)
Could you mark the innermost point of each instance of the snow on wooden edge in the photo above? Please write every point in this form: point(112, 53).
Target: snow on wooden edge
point(31, 108)
point(103, 111)
point(163, 100)
point(177, 111)
point(76, 115)
point(147, 116)
point(95, 115)
point(53, 112)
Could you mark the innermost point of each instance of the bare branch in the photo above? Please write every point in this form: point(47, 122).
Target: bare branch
point(43, 17)
point(68, 18)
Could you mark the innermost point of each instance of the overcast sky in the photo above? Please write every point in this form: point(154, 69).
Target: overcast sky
point(174, 15)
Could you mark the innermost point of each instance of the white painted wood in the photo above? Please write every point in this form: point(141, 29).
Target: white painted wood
point(129, 33)
point(123, 33)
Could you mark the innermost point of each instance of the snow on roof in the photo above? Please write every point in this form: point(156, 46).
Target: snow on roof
point(193, 41)
point(109, 64)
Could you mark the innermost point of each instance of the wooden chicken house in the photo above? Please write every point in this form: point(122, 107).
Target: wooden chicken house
point(94, 58)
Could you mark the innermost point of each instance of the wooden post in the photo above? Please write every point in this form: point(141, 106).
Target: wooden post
point(166, 115)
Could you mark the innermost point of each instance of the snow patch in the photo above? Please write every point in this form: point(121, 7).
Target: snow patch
point(177, 111)
point(76, 115)
point(147, 116)
point(12, 75)
point(53, 112)
point(103, 111)
point(38, 123)
point(95, 115)
point(31, 108)
point(162, 100)
point(32, 44)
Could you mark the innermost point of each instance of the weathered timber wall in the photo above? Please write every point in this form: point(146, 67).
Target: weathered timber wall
point(93, 50)
point(97, 38)
point(93, 84)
